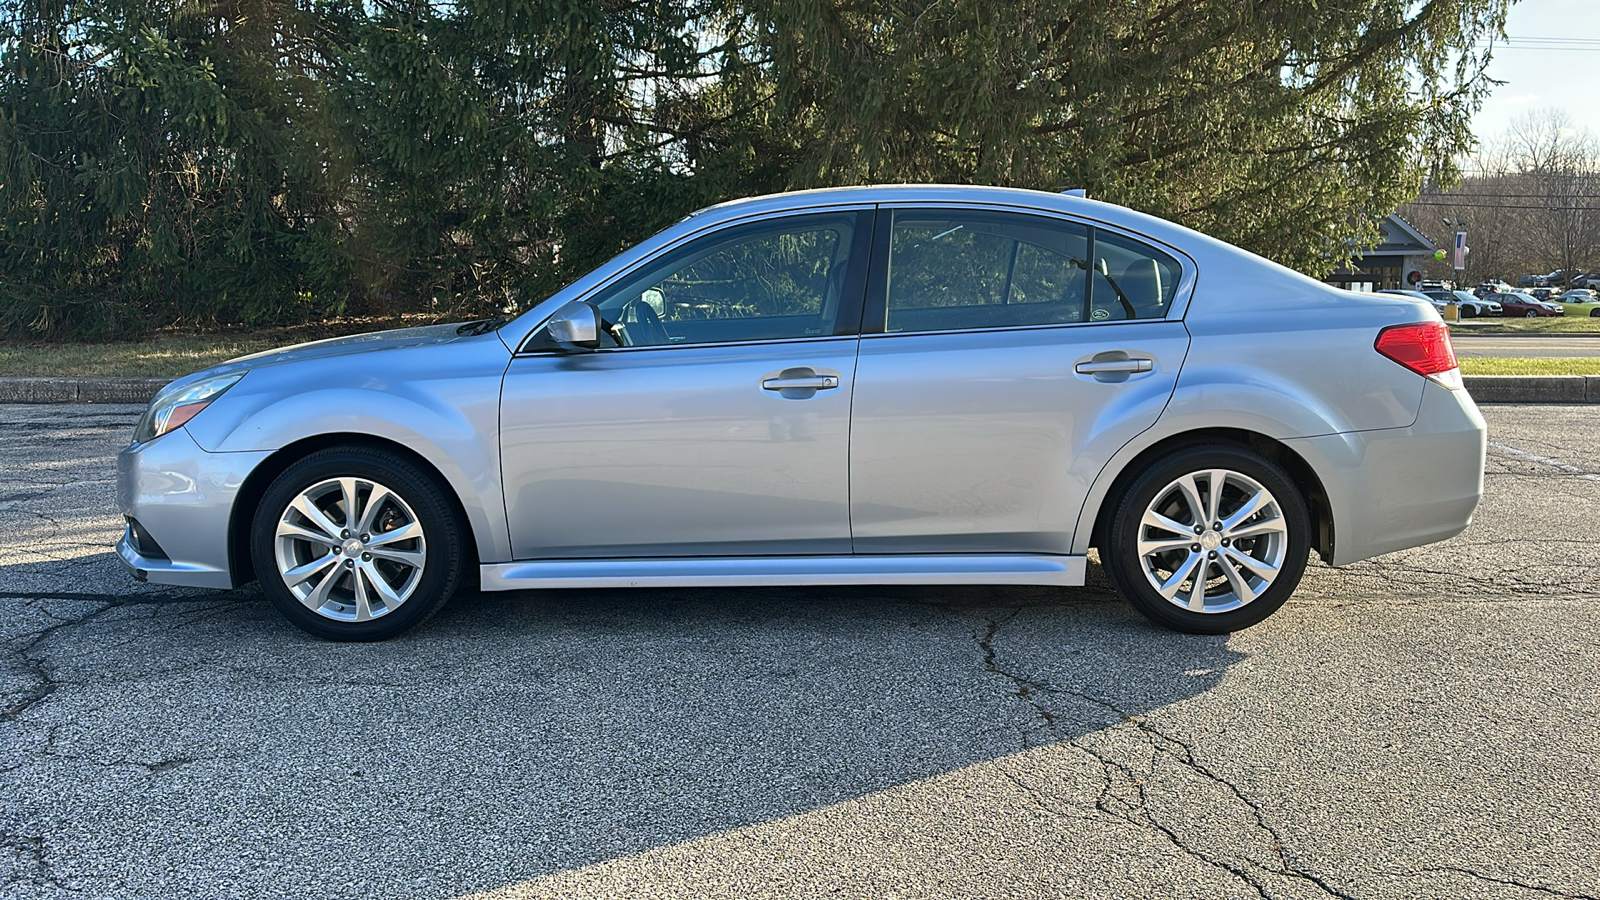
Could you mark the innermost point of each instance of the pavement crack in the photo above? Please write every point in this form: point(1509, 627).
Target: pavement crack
point(21, 656)
point(1136, 812)
point(1508, 882)
point(1132, 806)
point(31, 848)
point(1027, 690)
point(16, 502)
point(35, 666)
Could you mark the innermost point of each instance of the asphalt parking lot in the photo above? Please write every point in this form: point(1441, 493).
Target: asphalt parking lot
point(1421, 725)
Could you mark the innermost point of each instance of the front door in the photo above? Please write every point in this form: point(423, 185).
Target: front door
point(715, 422)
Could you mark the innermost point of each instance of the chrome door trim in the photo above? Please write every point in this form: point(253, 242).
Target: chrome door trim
point(758, 571)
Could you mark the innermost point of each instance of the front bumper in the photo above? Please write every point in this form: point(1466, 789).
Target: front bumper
point(182, 497)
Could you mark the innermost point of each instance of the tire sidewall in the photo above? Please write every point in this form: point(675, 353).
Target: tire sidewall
point(1120, 555)
point(440, 571)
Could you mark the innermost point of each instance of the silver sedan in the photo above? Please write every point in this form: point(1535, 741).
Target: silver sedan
point(887, 385)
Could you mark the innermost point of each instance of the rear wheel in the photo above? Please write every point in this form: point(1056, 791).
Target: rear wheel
point(356, 544)
point(1208, 540)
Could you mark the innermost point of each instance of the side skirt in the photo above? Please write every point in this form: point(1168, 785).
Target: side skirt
point(756, 571)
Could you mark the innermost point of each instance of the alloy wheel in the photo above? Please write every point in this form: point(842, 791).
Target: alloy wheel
point(350, 549)
point(1212, 541)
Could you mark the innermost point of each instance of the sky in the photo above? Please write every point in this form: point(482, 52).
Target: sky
point(1551, 60)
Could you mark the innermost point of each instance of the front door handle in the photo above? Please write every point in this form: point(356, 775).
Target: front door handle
point(806, 383)
point(1114, 365)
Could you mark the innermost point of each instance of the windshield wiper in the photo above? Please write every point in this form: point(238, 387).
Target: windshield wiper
point(482, 326)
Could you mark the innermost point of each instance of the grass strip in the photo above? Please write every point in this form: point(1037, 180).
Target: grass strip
point(1576, 321)
point(1506, 365)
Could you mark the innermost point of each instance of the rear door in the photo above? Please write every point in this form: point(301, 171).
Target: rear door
point(1004, 358)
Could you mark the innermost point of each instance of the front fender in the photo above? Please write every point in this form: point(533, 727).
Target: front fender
point(445, 411)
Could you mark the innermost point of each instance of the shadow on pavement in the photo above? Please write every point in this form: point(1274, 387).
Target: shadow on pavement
point(519, 735)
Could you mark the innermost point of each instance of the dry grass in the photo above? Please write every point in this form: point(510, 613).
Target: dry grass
point(169, 354)
point(1576, 321)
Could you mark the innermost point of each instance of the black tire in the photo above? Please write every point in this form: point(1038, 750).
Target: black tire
point(1124, 566)
point(1530, 314)
point(1594, 313)
point(417, 499)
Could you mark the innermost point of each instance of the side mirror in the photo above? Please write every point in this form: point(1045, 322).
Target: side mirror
point(575, 326)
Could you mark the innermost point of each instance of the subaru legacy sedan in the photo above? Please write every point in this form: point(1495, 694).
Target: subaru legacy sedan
point(883, 385)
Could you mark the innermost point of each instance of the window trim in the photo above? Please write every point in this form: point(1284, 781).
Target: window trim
point(875, 311)
point(852, 299)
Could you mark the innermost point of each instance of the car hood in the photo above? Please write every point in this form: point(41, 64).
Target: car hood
point(342, 346)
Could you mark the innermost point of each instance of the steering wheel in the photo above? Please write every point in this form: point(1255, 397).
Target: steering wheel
point(641, 326)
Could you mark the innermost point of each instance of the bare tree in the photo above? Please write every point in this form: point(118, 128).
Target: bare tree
point(1560, 166)
point(1530, 201)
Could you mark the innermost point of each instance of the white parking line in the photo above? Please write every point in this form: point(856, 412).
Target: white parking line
point(1545, 461)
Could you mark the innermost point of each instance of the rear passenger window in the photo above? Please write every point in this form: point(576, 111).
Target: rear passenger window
point(984, 270)
point(952, 270)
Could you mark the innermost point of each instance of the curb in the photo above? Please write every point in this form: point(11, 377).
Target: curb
point(80, 390)
point(1484, 389)
point(1534, 388)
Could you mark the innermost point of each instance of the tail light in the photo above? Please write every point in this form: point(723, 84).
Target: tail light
point(1424, 348)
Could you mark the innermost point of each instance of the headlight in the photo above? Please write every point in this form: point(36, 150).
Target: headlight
point(170, 410)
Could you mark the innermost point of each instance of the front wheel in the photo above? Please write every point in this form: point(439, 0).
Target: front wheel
point(1530, 314)
point(355, 544)
point(1208, 540)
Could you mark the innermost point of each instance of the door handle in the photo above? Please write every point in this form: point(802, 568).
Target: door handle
point(1114, 365)
point(808, 383)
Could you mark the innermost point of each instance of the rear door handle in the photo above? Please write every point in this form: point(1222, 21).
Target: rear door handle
point(810, 382)
point(1114, 365)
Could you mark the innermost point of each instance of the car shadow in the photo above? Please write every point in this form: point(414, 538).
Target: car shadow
point(525, 734)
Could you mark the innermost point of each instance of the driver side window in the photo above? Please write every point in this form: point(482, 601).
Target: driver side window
point(768, 280)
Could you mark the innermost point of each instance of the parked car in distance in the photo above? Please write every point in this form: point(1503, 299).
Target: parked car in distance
point(883, 385)
point(1470, 307)
point(1579, 295)
point(1416, 295)
point(1492, 287)
point(1516, 303)
point(1543, 293)
point(1587, 280)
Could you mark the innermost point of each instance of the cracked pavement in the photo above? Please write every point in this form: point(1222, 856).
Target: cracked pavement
point(1422, 725)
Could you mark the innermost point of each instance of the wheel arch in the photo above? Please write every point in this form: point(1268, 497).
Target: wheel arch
point(1102, 505)
point(261, 477)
